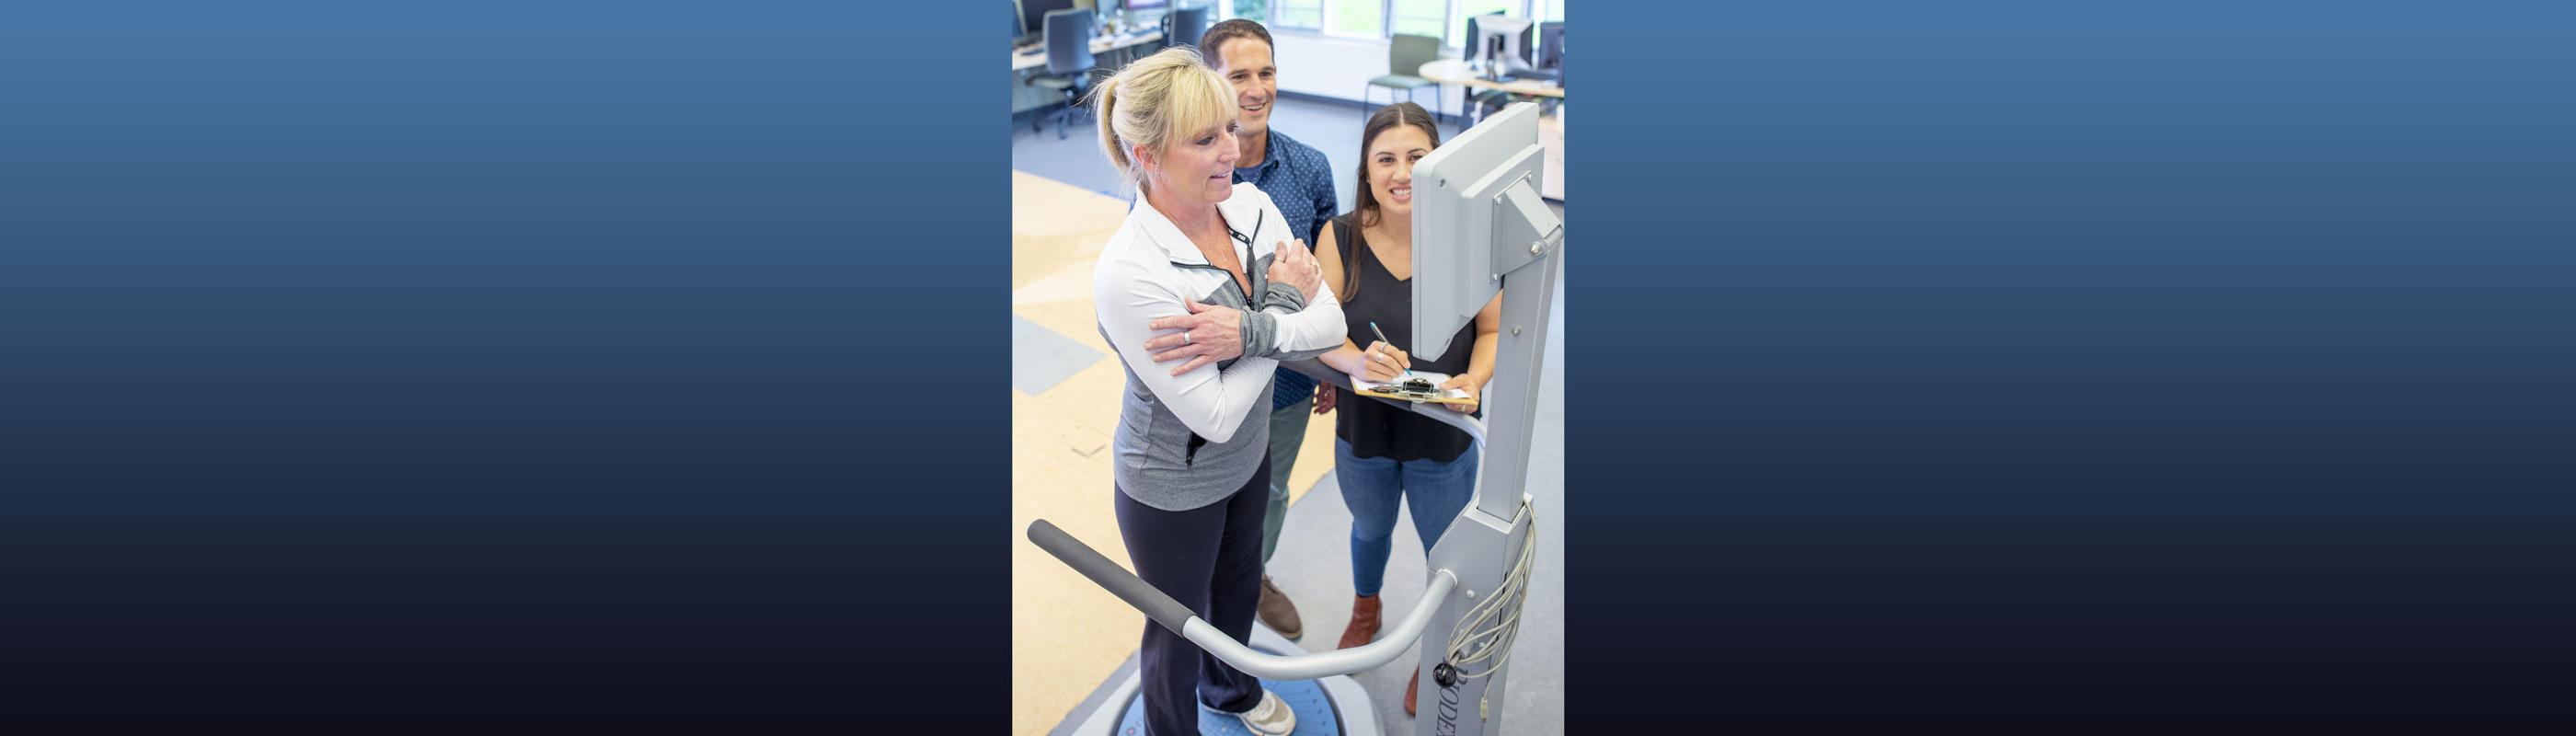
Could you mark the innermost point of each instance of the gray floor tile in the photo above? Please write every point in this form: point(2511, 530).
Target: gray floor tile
point(1040, 358)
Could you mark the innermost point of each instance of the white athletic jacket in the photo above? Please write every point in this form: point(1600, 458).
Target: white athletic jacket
point(1187, 441)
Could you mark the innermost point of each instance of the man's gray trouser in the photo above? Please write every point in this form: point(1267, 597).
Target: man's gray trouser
point(1287, 436)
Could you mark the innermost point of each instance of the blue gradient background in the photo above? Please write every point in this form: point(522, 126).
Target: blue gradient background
point(474, 367)
point(465, 367)
point(2078, 367)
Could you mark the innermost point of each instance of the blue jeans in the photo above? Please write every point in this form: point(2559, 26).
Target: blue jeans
point(1371, 487)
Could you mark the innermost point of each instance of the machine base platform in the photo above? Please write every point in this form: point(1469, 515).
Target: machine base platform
point(1332, 706)
point(1315, 716)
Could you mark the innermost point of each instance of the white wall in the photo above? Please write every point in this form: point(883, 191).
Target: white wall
point(1325, 66)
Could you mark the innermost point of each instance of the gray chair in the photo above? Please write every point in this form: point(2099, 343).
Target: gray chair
point(1405, 55)
point(1184, 26)
point(1069, 63)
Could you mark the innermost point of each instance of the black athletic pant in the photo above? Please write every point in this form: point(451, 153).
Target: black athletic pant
point(1208, 558)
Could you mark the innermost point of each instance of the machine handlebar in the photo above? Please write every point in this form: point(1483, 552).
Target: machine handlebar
point(1172, 615)
point(1134, 590)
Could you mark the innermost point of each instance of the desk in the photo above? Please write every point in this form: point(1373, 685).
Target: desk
point(1099, 45)
point(1109, 53)
point(1551, 127)
point(1454, 71)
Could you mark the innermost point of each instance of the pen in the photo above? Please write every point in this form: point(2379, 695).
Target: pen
point(1381, 337)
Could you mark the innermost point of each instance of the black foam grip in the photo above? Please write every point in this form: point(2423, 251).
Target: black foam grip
point(1134, 590)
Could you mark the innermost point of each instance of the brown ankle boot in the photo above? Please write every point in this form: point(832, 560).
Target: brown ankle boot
point(1277, 613)
point(1364, 622)
point(1409, 688)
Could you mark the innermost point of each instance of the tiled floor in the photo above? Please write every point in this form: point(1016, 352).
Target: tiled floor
point(1067, 634)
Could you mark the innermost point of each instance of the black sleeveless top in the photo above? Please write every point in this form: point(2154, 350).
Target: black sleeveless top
point(1373, 428)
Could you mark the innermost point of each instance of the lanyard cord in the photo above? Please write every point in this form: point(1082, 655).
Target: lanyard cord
point(1246, 240)
point(1253, 296)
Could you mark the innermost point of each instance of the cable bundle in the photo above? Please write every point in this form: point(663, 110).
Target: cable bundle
point(1494, 623)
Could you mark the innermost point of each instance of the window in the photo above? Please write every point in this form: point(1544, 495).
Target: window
point(1258, 10)
point(1444, 19)
point(1308, 14)
point(1358, 18)
point(1418, 17)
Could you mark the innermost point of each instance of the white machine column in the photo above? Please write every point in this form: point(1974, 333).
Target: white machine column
point(1528, 243)
point(1483, 545)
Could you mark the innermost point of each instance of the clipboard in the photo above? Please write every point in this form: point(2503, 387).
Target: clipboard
point(1390, 389)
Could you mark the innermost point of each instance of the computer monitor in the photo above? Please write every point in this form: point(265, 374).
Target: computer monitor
point(1134, 6)
point(1033, 15)
point(1476, 209)
point(1548, 61)
point(1551, 45)
point(1467, 36)
point(1503, 39)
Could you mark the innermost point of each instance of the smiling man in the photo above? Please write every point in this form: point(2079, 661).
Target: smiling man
point(1300, 181)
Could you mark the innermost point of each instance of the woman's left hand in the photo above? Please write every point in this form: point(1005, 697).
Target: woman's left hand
point(1475, 393)
point(1295, 266)
point(1207, 334)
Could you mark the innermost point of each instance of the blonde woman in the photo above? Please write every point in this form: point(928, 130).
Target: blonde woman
point(1201, 292)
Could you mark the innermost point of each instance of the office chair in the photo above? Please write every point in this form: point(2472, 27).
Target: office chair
point(1069, 63)
point(1184, 26)
point(1405, 55)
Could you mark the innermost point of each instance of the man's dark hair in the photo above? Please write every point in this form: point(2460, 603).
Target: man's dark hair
point(1212, 43)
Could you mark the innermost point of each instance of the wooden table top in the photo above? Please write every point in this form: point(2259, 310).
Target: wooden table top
point(1456, 71)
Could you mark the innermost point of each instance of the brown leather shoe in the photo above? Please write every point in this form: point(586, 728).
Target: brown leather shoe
point(1409, 688)
point(1277, 613)
point(1364, 622)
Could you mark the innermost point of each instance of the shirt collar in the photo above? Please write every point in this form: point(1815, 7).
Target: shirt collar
point(1242, 215)
point(1270, 155)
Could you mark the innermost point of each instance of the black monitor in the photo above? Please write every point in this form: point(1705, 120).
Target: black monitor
point(1033, 15)
point(1551, 45)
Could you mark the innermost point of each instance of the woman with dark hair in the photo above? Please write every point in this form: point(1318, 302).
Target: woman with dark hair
point(1383, 454)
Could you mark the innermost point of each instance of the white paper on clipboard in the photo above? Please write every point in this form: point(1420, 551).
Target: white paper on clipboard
point(1435, 377)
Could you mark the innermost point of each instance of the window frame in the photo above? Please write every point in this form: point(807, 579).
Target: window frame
point(1323, 17)
point(1452, 17)
point(1329, 31)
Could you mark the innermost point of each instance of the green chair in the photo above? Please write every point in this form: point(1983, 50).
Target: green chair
point(1405, 56)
